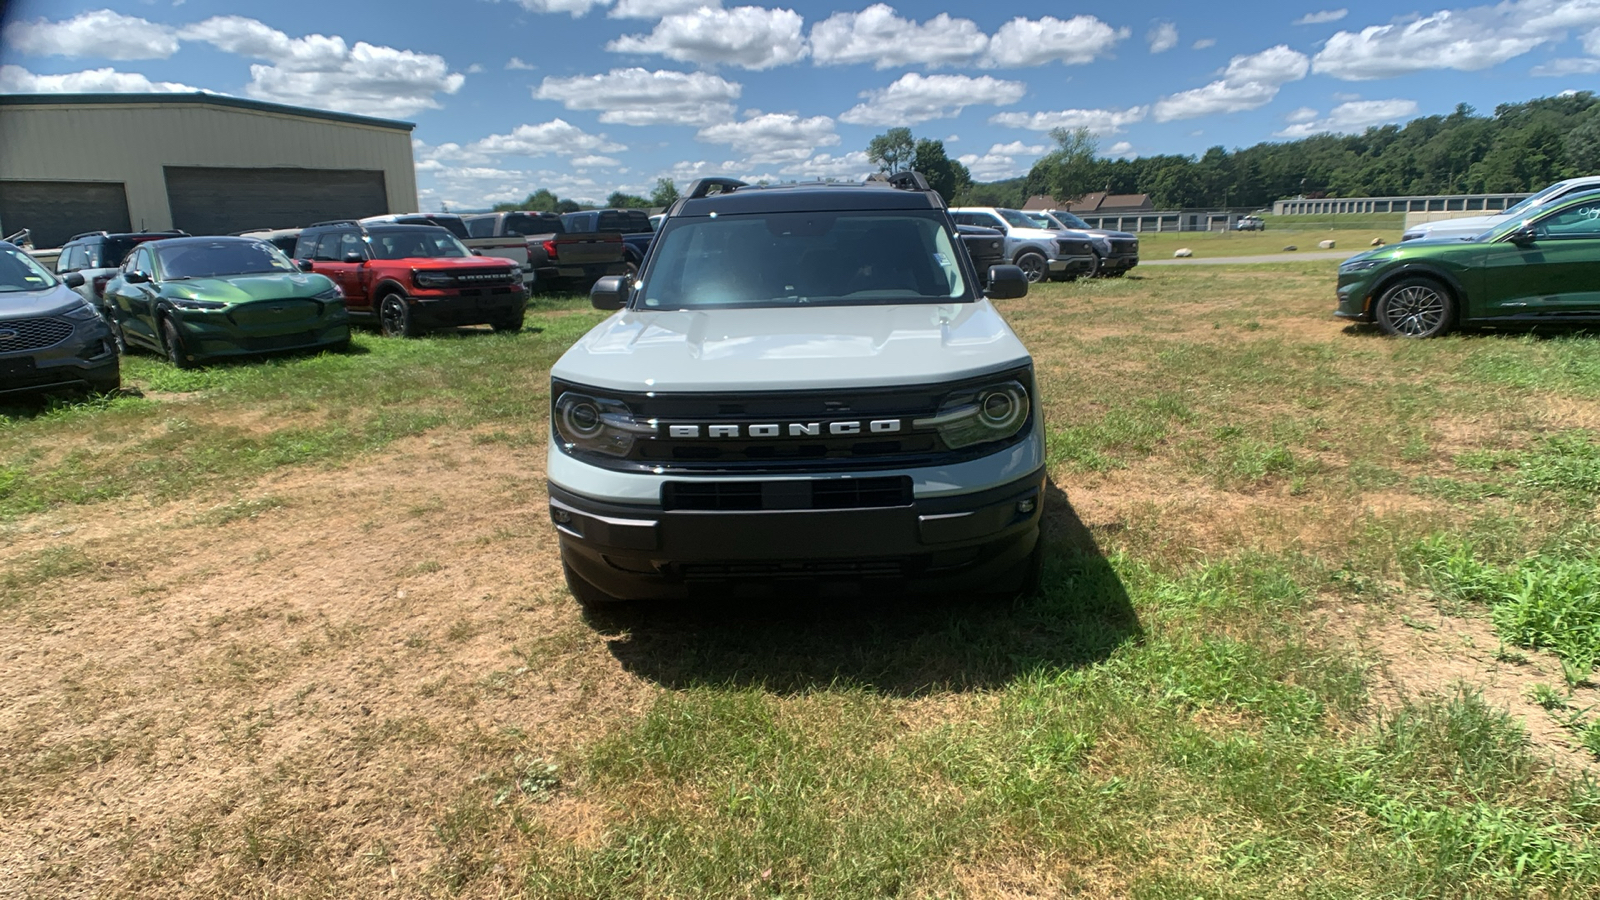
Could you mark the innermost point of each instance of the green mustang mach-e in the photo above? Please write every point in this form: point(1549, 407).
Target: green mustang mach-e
point(1542, 268)
point(198, 298)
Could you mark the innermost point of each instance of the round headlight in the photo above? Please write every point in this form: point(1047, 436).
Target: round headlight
point(580, 417)
point(1001, 409)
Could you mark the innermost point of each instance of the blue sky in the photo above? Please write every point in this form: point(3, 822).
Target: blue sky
point(589, 96)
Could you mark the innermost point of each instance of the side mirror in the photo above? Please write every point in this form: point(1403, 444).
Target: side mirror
point(354, 257)
point(1006, 283)
point(610, 292)
point(136, 277)
point(477, 253)
point(303, 265)
point(1524, 236)
point(73, 280)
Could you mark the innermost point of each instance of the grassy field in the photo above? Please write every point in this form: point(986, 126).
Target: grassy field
point(1319, 621)
point(1352, 232)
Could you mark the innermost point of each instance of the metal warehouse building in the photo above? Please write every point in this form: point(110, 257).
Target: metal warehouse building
point(202, 163)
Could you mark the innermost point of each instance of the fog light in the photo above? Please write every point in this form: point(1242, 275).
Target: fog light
point(561, 516)
point(1027, 505)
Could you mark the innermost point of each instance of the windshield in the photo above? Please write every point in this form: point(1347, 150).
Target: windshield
point(1017, 218)
point(792, 259)
point(412, 243)
point(19, 272)
point(1040, 220)
point(211, 259)
point(1070, 220)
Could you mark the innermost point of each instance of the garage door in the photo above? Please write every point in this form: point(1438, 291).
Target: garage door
point(56, 210)
point(224, 200)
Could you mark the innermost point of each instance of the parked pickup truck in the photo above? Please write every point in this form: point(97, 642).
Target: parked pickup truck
point(633, 224)
point(1040, 254)
point(542, 245)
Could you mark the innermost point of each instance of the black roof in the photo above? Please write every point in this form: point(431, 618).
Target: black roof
point(204, 99)
point(809, 197)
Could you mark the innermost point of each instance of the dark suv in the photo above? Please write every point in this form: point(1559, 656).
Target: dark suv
point(50, 337)
point(405, 278)
point(96, 255)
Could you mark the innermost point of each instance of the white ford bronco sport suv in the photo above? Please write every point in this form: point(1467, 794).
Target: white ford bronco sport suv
point(804, 388)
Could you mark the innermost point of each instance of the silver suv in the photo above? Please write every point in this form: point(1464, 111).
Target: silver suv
point(1039, 252)
point(804, 387)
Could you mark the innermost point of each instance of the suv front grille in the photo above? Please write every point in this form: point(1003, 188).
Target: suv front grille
point(752, 496)
point(726, 439)
point(18, 335)
point(1125, 246)
point(485, 278)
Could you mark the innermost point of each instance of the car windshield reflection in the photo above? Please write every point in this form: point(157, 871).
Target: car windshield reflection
point(221, 258)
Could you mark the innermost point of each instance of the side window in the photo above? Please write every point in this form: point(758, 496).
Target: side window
point(578, 224)
point(990, 220)
point(350, 242)
point(305, 246)
point(71, 259)
point(1577, 223)
point(92, 257)
point(961, 218)
point(328, 247)
point(140, 261)
point(481, 228)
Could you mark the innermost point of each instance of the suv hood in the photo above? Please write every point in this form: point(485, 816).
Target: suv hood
point(739, 350)
point(1034, 234)
point(56, 300)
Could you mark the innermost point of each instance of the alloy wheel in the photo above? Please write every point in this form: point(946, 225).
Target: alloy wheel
point(1415, 310)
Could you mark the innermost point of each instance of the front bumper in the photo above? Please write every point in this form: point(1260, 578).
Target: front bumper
point(939, 544)
point(1071, 265)
point(86, 360)
point(1119, 262)
point(1354, 300)
point(472, 306)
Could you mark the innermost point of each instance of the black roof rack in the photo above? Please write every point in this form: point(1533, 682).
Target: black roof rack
point(87, 234)
point(909, 180)
point(704, 187)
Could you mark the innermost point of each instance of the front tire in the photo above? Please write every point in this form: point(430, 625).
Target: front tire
point(394, 317)
point(511, 323)
point(1094, 267)
point(172, 342)
point(1415, 308)
point(1034, 266)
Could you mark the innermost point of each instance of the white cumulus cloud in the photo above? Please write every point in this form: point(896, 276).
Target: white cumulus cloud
point(1203, 44)
point(655, 9)
point(102, 33)
point(17, 80)
point(575, 7)
point(879, 36)
point(1323, 17)
point(1024, 43)
point(515, 64)
point(773, 137)
point(1355, 116)
point(642, 97)
point(1303, 114)
point(1466, 40)
point(1249, 82)
point(991, 166)
point(852, 165)
point(1099, 121)
point(322, 71)
point(1163, 36)
point(917, 98)
point(750, 37)
point(556, 137)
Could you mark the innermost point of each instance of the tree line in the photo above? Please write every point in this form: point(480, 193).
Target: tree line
point(1520, 148)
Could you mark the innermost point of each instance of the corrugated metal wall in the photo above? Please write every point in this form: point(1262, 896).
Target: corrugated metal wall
point(132, 143)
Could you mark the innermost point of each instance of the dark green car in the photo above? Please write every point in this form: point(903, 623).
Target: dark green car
point(198, 298)
point(1542, 268)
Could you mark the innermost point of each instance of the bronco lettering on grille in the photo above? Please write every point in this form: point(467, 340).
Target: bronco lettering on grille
point(792, 429)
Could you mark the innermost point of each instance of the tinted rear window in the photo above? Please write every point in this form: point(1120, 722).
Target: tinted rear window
point(524, 224)
point(626, 221)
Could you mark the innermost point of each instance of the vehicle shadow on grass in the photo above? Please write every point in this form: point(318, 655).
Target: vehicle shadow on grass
point(900, 646)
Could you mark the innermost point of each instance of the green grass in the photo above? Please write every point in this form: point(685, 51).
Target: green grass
point(1352, 233)
point(1177, 713)
point(323, 409)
